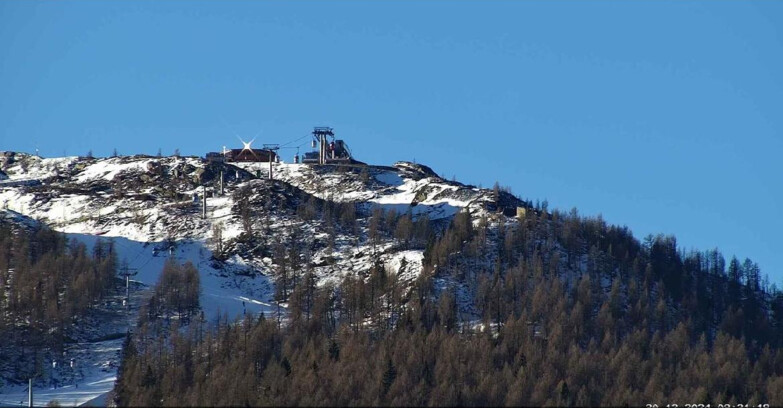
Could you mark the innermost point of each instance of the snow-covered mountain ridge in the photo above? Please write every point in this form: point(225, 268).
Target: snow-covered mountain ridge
point(152, 207)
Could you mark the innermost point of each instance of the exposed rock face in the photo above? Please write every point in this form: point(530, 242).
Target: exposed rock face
point(414, 170)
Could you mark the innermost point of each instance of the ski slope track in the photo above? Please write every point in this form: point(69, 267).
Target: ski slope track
point(151, 208)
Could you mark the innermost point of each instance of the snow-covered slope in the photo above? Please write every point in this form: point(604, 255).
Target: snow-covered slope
point(151, 207)
point(406, 186)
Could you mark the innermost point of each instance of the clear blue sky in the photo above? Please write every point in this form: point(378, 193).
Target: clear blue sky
point(662, 116)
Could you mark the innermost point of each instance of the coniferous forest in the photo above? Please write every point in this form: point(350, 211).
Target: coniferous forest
point(556, 309)
point(48, 285)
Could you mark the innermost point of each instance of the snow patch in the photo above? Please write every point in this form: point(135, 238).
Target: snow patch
point(109, 168)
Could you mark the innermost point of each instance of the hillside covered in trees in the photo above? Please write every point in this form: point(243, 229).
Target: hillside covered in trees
point(365, 285)
point(550, 308)
point(49, 286)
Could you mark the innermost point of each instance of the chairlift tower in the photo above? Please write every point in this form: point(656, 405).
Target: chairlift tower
point(127, 273)
point(273, 148)
point(319, 136)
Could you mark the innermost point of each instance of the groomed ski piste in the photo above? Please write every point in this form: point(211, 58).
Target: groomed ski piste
point(97, 362)
point(78, 197)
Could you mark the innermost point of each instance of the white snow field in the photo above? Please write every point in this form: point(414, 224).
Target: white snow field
point(97, 369)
